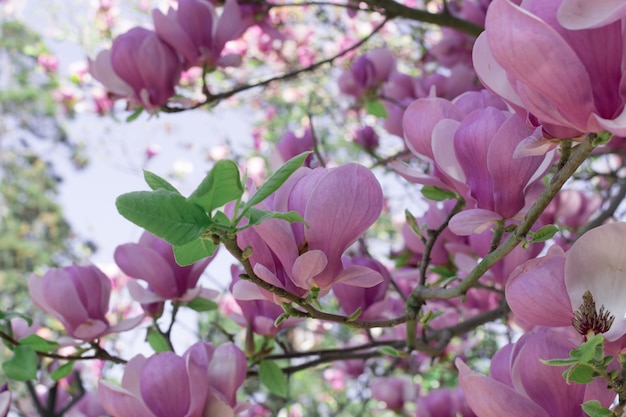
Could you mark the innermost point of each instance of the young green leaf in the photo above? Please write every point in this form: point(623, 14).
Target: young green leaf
point(135, 115)
point(256, 216)
point(39, 343)
point(545, 233)
point(391, 351)
point(376, 108)
point(273, 378)
point(593, 408)
point(193, 251)
point(436, 193)
point(582, 374)
point(274, 182)
point(157, 183)
point(200, 304)
point(62, 371)
point(559, 362)
point(164, 213)
point(157, 341)
point(221, 185)
point(22, 366)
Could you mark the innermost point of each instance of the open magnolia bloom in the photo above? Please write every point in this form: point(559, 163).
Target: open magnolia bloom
point(77, 296)
point(568, 81)
point(587, 283)
point(520, 385)
point(596, 263)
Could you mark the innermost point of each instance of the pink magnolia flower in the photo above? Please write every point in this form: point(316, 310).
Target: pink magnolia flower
point(338, 205)
point(519, 385)
point(471, 142)
point(77, 296)
point(152, 260)
point(138, 66)
point(582, 14)
point(203, 382)
point(549, 290)
point(368, 72)
point(514, 57)
point(291, 145)
point(367, 138)
point(196, 33)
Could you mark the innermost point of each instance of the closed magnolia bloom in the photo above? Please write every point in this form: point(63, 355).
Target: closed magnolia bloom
point(368, 72)
point(196, 33)
point(152, 260)
point(443, 402)
point(203, 382)
point(338, 205)
point(78, 296)
point(471, 142)
point(139, 66)
point(556, 77)
point(520, 385)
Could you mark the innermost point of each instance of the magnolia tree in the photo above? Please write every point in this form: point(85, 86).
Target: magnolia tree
point(485, 277)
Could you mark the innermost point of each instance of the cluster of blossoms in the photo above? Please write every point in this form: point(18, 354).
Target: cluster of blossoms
point(486, 150)
point(144, 66)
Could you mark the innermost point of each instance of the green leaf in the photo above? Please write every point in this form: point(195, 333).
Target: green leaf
point(355, 315)
point(200, 304)
point(559, 362)
point(221, 219)
point(39, 343)
point(443, 271)
point(545, 233)
point(594, 409)
point(135, 115)
point(256, 216)
point(157, 341)
point(412, 222)
point(437, 194)
point(586, 352)
point(164, 213)
point(376, 108)
point(273, 378)
point(193, 251)
point(62, 371)
point(274, 182)
point(390, 351)
point(157, 183)
point(221, 185)
point(22, 366)
point(582, 374)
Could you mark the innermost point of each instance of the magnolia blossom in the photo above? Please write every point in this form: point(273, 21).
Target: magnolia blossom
point(394, 391)
point(443, 402)
point(291, 145)
point(203, 382)
point(78, 296)
point(338, 205)
point(584, 14)
point(519, 385)
point(196, 33)
point(367, 72)
point(549, 291)
point(516, 54)
point(152, 260)
point(471, 144)
point(138, 66)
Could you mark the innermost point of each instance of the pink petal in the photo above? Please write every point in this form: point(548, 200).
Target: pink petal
point(359, 276)
point(165, 385)
point(473, 221)
point(306, 266)
point(120, 403)
point(141, 262)
point(227, 371)
point(583, 14)
point(489, 398)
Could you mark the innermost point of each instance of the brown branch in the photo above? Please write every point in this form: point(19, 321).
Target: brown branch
point(214, 98)
point(392, 9)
